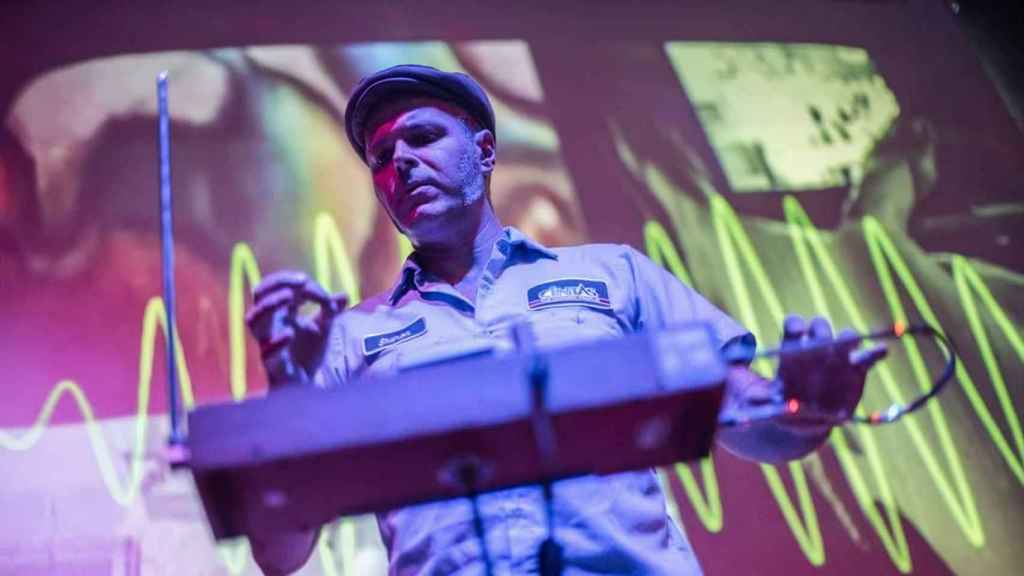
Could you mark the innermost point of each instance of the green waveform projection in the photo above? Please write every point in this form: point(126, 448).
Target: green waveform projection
point(736, 247)
point(234, 556)
point(662, 251)
point(743, 269)
point(341, 541)
point(956, 493)
point(727, 228)
point(968, 283)
point(885, 258)
point(802, 232)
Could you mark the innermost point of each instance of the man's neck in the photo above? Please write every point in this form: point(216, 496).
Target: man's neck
point(460, 260)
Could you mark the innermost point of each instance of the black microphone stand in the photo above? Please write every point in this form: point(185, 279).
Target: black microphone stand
point(549, 555)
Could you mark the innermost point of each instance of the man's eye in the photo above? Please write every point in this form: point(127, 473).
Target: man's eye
point(381, 158)
point(423, 138)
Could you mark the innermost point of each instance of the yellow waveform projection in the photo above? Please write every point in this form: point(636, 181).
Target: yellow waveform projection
point(123, 492)
point(328, 242)
point(243, 269)
point(328, 248)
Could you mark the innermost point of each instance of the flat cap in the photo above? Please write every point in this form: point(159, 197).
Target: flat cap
point(413, 80)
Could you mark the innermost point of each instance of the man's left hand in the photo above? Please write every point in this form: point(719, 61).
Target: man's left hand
point(822, 374)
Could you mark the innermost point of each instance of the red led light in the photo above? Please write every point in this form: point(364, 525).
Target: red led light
point(899, 328)
point(792, 405)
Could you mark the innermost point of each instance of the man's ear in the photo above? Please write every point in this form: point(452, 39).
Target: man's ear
point(484, 140)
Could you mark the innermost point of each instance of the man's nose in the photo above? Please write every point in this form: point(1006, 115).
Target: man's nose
point(403, 157)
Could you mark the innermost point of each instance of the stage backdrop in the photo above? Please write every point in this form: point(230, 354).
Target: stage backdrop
point(835, 158)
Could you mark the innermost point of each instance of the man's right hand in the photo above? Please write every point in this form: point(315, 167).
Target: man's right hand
point(292, 342)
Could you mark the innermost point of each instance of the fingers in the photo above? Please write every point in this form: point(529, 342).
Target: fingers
point(291, 289)
point(292, 279)
point(847, 341)
point(278, 342)
point(865, 359)
point(309, 324)
point(313, 291)
point(338, 303)
point(820, 329)
point(793, 328)
point(823, 370)
point(268, 304)
point(330, 306)
point(291, 339)
point(847, 334)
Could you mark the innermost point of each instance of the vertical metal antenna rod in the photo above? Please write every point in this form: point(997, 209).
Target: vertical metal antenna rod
point(167, 251)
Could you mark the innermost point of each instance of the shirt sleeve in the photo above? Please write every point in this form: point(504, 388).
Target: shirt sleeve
point(661, 299)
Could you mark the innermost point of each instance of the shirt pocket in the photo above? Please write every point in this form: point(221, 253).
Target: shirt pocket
point(380, 364)
point(388, 361)
point(568, 324)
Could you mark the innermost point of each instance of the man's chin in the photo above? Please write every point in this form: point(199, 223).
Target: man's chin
point(428, 227)
point(429, 214)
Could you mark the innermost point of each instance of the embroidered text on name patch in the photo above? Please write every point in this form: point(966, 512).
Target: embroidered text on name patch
point(375, 343)
point(569, 292)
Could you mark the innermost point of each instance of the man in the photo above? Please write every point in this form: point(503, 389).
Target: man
point(428, 138)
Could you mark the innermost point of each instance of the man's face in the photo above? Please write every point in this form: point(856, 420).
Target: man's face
point(428, 167)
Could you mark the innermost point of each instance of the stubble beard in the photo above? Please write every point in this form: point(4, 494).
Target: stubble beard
point(470, 178)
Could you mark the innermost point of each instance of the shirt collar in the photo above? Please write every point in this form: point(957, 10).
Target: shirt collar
point(517, 240)
point(512, 243)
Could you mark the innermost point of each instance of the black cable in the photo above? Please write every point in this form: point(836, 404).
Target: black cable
point(793, 410)
point(469, 475)
point(549, 554)
point(478, 527)
point(896, 411)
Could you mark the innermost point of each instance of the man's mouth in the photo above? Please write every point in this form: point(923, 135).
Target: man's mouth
point(417, 190)
point(420, 190)
point(418, 194)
